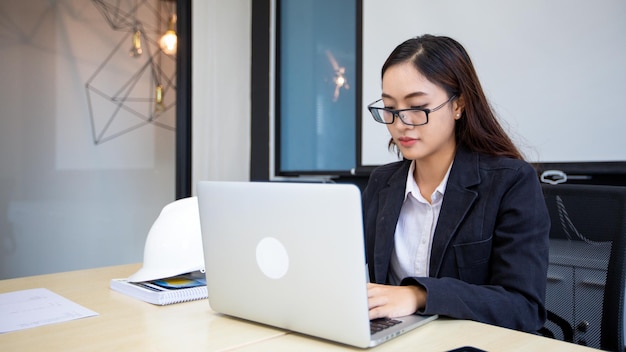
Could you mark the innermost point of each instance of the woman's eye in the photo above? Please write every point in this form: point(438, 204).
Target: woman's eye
point(418, 106)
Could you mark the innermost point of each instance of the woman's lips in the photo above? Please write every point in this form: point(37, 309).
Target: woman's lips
point(407, 141)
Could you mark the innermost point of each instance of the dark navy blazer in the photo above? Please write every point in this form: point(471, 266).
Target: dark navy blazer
point(489, 255)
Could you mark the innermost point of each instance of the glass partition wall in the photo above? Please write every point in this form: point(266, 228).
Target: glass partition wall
point(80, 190)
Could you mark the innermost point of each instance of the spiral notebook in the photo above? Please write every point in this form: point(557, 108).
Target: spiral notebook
point(183, 288)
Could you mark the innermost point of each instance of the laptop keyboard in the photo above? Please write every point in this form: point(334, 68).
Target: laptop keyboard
point(381, 324)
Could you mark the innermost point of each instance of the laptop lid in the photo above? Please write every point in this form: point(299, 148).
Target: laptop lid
point(290, 255)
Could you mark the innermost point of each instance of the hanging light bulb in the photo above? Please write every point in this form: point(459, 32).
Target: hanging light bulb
point(158, 106)
point(135, 49)
point(169, 39)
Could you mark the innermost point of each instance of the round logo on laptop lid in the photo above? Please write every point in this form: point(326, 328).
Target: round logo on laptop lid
point(272, 258)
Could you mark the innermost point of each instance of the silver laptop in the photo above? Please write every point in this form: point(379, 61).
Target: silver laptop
point(291, 255)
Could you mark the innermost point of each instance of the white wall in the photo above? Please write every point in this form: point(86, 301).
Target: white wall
point(553, 70)
point(221, 90)
point(66, 203)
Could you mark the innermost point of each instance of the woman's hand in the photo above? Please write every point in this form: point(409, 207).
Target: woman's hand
point(387, 301)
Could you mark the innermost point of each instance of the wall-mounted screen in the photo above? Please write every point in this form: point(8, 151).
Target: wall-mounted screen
point(315, 109)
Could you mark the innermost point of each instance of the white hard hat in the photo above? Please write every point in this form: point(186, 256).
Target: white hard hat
point(174, 243)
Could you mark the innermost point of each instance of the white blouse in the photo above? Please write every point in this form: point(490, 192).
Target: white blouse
point(415, 229)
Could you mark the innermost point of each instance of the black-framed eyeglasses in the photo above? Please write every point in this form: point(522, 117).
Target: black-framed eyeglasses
point(411, 116)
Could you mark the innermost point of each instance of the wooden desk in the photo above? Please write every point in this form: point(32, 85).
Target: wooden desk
point(127, 324)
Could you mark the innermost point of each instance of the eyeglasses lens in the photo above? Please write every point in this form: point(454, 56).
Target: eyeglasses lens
point(412, 117)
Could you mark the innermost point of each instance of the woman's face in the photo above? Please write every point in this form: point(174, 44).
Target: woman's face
point(405, 87)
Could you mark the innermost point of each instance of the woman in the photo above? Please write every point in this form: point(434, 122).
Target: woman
point(459, 227)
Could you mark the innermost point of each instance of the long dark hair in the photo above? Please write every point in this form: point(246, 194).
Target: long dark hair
point(444, 62)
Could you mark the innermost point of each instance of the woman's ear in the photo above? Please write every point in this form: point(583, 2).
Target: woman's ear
point(458, 106)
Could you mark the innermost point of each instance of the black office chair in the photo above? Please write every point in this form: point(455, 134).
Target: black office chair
point(586, 276)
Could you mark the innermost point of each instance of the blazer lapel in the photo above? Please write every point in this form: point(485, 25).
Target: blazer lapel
point(390, 203)
point(457, 201)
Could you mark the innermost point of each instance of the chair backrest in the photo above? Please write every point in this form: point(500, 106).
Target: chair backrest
point(586, 280)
